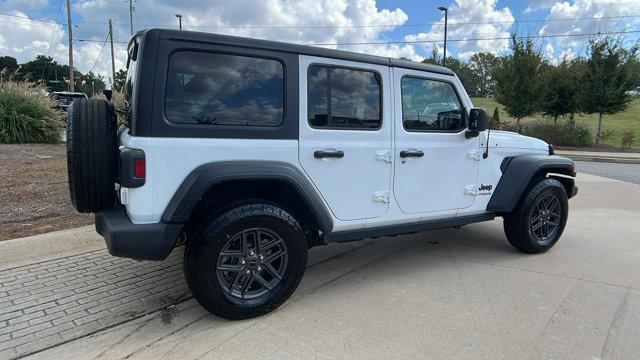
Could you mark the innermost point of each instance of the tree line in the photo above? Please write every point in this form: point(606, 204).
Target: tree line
point(51, 74)
point(526, 83)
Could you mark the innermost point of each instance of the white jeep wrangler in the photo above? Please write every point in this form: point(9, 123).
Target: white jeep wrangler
point(253, 151)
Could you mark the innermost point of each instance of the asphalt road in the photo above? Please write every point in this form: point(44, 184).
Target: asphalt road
point(624, 172)
point(447, 294)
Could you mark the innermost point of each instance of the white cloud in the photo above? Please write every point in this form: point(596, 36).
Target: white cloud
point(303, 21)
point(583, 10)
point(479, 12)
point(23, 39)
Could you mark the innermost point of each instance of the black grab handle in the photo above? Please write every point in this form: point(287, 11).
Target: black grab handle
point(411, 153)
point(321, 154)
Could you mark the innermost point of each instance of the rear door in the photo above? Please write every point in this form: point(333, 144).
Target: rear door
point(436, 166)
point(345, 134)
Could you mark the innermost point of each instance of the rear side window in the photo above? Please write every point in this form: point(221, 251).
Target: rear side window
point(430, 105)
point(341, 98)
point(221, 89)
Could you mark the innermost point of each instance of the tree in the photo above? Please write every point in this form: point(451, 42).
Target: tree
point(518, 82)
point(606, 79)
point(560, 89)
point(461, 68)
point(120, 79)
point(8, 63)
point(481, 67)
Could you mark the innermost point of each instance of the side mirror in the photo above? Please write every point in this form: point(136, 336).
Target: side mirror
point(477, 122)
point(478, 119)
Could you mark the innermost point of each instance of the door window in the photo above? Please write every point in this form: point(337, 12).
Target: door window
point(430, 105)
point(341, 98)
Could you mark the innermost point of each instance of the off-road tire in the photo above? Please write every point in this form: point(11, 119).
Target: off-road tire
point(91, 154)
point(517, 224)
point(203, 250)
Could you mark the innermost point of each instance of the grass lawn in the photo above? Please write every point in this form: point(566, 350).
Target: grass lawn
point(618, 123)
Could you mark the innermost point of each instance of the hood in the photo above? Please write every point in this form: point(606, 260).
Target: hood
point(512, 140)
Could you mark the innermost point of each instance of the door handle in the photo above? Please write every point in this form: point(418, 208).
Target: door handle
point(411, 153)
point(321, 154)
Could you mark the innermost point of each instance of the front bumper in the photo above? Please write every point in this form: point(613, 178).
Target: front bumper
point(135, 241)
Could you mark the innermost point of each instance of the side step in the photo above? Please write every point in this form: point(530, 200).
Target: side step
point(352, 235)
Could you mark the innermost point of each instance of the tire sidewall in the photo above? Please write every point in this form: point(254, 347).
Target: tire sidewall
point(558, 193)
point(536, 192)
point(203, 252)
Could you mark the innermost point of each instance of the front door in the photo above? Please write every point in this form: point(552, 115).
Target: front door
point(436, 166)
point(345, 134)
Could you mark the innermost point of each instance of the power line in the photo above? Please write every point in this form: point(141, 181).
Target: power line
point(92, 40)
point(53, 33)
point(452, 23)
point(100, 54)
point(481, 39)
point(437, 41)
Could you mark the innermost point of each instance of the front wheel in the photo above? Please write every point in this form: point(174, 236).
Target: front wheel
point(539, 218)
point(247, 261)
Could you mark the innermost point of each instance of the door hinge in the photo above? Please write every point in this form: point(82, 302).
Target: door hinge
point(471, 190)
point(384, 155)
point(473, 155)
point(381, 197)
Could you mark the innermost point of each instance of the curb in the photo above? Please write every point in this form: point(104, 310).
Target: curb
point(43, 246)
point(616, 160)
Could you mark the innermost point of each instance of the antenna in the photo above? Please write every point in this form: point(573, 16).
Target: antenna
point(486, 150)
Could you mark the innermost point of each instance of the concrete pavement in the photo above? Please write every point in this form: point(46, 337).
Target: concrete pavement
point(463, 294)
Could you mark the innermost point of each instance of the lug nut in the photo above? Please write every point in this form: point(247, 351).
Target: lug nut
point(243, 261)
point(259, 268)
point(252, 253)
point(248, 271)
point(261, 257)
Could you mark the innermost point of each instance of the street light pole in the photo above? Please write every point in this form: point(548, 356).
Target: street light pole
point(446, 15)
point(179, 20)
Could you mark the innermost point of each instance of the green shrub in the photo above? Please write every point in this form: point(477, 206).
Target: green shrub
point(569, 133)
point(27, 115)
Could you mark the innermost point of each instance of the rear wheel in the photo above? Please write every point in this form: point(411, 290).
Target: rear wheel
point(538, 220)
point(247, 261)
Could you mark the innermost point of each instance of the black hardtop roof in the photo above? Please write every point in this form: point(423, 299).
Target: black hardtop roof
point(201, 37)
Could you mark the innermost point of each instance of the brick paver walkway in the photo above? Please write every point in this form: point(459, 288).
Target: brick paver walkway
point(59, 300)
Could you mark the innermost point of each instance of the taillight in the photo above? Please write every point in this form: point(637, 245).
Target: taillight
point(139, 168)
point(133, 169)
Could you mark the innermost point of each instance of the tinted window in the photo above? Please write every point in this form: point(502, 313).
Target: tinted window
point(219, 89)
point(343, 98)
point(430, 105)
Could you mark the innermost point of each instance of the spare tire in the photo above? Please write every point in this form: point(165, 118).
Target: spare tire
point(92, 154)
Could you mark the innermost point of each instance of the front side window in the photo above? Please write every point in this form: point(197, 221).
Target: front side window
point(221, 89)
point(342, 98)
point(430, 105)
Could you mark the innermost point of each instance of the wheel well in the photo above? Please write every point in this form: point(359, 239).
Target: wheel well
point(563, 175)
point(222, 196)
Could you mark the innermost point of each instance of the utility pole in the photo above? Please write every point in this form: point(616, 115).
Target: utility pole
point(131, 15)
point(72, 78)
point(113, 61)
point(446, 15)
point(179, 20)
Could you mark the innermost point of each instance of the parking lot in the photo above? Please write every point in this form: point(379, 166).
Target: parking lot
point(463, 294)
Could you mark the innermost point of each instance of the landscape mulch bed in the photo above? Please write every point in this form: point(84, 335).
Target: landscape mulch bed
point(34, 195)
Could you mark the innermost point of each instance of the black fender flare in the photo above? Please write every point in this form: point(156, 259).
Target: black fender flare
point(205, 176)
point(517, 173)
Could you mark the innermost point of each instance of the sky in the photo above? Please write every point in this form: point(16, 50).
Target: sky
point(400, 28)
